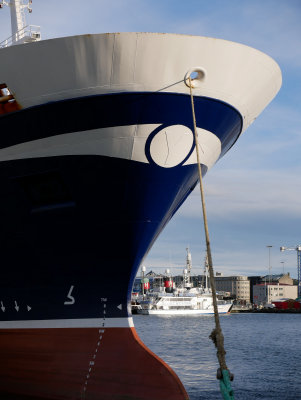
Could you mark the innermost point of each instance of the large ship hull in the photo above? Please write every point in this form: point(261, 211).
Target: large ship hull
point(93, 165)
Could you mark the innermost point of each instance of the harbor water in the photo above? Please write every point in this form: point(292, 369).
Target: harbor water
point(263, 352)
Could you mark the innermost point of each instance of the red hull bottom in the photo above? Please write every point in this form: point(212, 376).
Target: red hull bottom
point(83, 363)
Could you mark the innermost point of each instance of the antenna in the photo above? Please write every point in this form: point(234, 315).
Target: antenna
point(21, 32)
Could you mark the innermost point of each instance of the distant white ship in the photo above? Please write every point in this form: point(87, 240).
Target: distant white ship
point(197, 304)
point(184, 300)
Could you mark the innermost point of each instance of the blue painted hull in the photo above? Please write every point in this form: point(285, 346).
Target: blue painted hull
point(86, 222)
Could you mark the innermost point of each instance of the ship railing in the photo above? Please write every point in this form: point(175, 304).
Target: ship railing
point(28, 34)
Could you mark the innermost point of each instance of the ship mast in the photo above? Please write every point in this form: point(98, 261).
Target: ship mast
point(21, 32)
point(188, 260)
point(187, 270)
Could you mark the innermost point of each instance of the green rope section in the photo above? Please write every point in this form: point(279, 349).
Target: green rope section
point(225, 385)
point(216, 335)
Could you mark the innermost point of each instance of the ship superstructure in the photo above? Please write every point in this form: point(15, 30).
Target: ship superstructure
point(21, 32)
point(95, 158)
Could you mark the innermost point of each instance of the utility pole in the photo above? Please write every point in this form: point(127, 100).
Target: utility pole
point(269, 247)
point(282, 262)
point(268, 287)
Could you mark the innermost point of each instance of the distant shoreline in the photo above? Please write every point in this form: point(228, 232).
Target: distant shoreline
point(268, 310)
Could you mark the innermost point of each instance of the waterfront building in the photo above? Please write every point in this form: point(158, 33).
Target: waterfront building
point(284, 279)
point(238, 286)
point(254, 280)
point(274, 287)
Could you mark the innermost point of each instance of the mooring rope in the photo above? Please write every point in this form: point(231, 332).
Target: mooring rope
point(216, 335)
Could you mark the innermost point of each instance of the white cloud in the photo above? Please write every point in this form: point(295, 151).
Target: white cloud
point(230, 193)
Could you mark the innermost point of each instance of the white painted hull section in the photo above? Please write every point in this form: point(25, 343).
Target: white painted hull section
point(69, 323)
point(168, 148)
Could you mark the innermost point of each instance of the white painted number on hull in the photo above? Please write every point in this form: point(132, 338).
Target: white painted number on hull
point(2, 307)
point(71, 298)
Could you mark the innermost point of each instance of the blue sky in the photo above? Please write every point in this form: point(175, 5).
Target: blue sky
point(253, 194)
